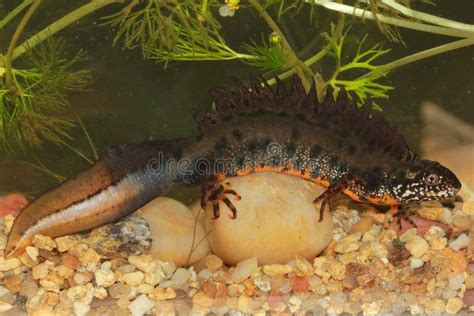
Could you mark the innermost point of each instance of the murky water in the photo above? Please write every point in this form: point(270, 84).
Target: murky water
point(135, 99)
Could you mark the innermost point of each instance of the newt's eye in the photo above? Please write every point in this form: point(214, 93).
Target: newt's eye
point(432, 179)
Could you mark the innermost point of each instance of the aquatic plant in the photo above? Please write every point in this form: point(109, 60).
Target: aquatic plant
point(33, 95)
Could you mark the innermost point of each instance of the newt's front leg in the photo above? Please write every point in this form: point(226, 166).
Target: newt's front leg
point(214, 190)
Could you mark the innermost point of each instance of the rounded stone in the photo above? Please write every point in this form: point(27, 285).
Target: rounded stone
point(172, 228)
point(276, 220)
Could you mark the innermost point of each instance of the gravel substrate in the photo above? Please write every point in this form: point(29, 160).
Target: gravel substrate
point(370, 267)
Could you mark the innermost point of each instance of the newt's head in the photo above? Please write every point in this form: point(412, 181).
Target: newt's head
point(424, 180)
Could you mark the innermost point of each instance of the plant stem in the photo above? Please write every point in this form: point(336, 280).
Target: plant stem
point(428, 17)
point(304, 72)
point(60, 24)
point(14, 13)
point(380, 70)
point(331, 5)
point(9, 57)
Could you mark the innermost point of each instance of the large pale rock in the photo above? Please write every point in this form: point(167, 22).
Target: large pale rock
point(172, 228)
point(276, 221)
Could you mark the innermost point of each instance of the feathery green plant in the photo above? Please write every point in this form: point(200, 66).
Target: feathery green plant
point(30, 112)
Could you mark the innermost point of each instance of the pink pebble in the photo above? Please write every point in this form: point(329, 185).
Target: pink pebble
point(468, 298)
point(299, 284)
point(274, 299)
point(12, 204)
point(422, 224)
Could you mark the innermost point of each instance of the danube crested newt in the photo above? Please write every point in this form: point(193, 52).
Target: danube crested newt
point(347, 149)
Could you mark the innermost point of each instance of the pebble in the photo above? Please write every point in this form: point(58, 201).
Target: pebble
point(213, 263)
point(454, 305)
point(294, 304)
point(202, 299)
point(277, 269)
point(9, 264)
point(303, 267)
point(32, 252)
point(470, 281)
point(41, 270)
point(141, 305)
point(5, 306)
point(455, 280)
point(66, 243)
point(173, 228)
point(363, 225)
point(44, 242)
point(274, 223)
point(459, 243)
point(104, 277)
point(244, 269)
point(164, 294)
point(416, 263)
point(180, 277)
point(134, 278)
point(417, 246)
point(349, 243)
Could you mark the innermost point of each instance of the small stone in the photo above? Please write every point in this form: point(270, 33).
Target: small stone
point(244, 269)
point(457, 260)
point(470, 281)
point(362, 226)
point(455, 280)
point(459, 243)
point(9, 264)
point(160, 294)
point(40, 271)
point(9, 219)
point(468, 208)
point(100, 293)
point(44, 242)
point(434, 232)
point(66, 243)
point(70, 261)
point(416, 263)
point(213, 263)
point(134, 278)
point(277, 269)
point(13, 283)
point(299, 284)
point(349, 243)
point(294, 304)
point(263, 283)
point(454, 305)
point(435, 306)
point(5, 306)
point(90, 256)
point(244, 304)
point(180, 277)
point(118, 290)
point(82, 277)
point(144, 263)
point(64, 272)
point(417, 246)
point(104, 277)
point(81, 308)
point(431, 210)
point(146, 288)
point(52, 282)
point(439, 244)
point(32, 252)
point(141, 305)
point(202, 299)
point(468, 298)
point(303, 267)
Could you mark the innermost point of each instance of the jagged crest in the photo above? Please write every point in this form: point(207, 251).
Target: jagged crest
point(335, 113)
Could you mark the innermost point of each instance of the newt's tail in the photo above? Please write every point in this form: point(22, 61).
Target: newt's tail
point(127, 178)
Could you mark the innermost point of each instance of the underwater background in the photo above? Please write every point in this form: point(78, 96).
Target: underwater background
point(133, 99)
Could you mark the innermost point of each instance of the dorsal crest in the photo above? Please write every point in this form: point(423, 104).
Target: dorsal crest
point(335, 113)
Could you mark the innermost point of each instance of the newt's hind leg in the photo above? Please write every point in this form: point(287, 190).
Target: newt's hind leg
point(214, 190)
point(327, 196)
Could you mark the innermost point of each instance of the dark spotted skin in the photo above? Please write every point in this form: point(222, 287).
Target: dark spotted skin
point(346, 149)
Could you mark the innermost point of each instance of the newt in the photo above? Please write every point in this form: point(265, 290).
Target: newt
point(347, 149)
